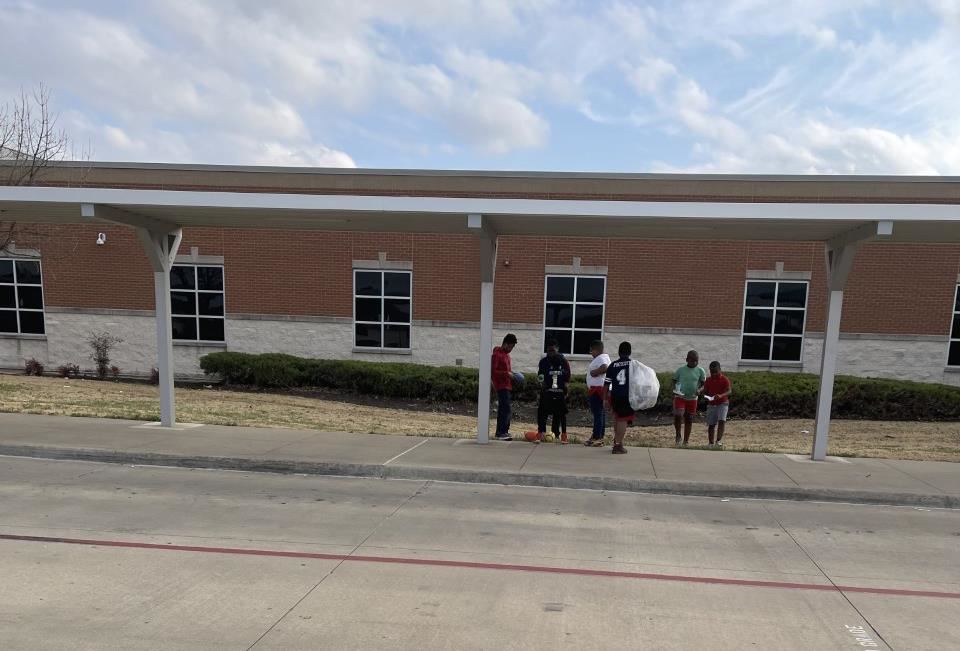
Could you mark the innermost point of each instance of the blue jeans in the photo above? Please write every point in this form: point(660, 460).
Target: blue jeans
point(599, 415)
point(503, 412)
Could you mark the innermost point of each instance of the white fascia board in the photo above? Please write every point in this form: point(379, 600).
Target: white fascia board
point(493, 206)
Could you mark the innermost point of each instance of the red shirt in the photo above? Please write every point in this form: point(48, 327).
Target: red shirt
point(501, 375)
point(716, 385)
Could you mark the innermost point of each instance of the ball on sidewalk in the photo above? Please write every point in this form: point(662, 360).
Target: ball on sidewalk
point(549, 438)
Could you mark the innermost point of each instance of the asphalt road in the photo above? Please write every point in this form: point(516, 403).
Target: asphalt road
point(96, 556)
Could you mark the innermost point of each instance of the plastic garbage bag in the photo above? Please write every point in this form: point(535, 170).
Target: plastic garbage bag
point(644, 386)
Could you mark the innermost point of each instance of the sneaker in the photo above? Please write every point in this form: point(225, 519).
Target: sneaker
point(503, 437)
point(563, 439)
point(719, 445)
point(619, 449)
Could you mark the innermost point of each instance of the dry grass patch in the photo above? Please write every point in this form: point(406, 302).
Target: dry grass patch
point(53, 396)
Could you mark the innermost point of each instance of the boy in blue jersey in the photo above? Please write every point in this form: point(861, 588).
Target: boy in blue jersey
point(618, 377)
point(554, 373)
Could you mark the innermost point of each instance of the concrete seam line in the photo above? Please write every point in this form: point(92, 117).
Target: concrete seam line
point(577, 482)
point(392, 459)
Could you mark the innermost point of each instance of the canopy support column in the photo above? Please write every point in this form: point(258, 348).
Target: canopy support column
point(488, 260)
point(840, 253)
point(161, 249)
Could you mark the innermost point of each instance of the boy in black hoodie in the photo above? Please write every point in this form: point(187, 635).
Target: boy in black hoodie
point(554, 373)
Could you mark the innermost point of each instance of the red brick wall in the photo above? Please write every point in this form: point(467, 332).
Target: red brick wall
point(893, 289)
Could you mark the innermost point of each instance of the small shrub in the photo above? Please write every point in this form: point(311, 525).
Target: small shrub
point(33, 367)
point(101, 343)
point(68, 370)
point(115, 370)
point(154, 376)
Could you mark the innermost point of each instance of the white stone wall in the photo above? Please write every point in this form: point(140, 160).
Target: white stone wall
point(916, 358)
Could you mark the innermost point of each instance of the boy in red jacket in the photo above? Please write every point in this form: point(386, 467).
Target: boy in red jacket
point(502, 377)
point(717, 390)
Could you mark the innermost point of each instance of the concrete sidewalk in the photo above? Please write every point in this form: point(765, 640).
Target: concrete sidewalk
point(653, 470)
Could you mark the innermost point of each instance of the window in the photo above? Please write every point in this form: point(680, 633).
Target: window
point(381, 309)
point(953, 358)
point(196, 298)
point(774, 315)
point(21, 297)
point(573, 312)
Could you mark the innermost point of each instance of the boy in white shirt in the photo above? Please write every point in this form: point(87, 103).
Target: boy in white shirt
point(596, 383)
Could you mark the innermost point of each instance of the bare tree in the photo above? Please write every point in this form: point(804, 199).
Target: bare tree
point(31, 142)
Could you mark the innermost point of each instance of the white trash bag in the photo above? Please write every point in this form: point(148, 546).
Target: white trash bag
point(644, 386)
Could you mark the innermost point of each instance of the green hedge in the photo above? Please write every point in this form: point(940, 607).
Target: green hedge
point(755, 394)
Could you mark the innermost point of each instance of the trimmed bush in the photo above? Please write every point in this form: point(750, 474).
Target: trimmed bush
point(755, 394)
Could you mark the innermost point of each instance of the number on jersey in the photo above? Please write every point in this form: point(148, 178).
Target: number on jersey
point(622, 377)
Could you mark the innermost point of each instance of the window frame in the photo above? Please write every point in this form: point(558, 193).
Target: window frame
point(196, 291)
point(382, 322)
point(574, 303)
point(16, 297)
point(954, 313)
point(774, 308)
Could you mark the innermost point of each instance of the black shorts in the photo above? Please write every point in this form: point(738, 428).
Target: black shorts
point(621, 408)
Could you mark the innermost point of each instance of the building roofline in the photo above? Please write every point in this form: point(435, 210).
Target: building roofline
point(513, 174)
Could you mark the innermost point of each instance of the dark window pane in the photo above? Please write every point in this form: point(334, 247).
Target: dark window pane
point(210, 278)
point(582, 340)
point(368, 283)
point(210, 304)
point(756, 348)
point(28, 272)
point(396, 336)
point(564, 340)
point(954, 352)
point(211, 329)
point(31, 323)
point(184, 328)
point(589, 316)
point(590, 290)
point(183, 302)
point(8, 321)
point(396, 284)
point(31, 297)
point(789, 322)
point(761, 294)
point(792, 295)
point(787, 349)
point(396, 310)
point(368, 309)
point(6, 271)
point(7, 296)
point(956, 303)
point(955, 331)
point(757, 321)
point(558, 315)
point(368, 336)
point(182, 278)
point(560, 289)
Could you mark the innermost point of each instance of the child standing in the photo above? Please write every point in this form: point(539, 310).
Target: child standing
point(717, 389)
point(618, 377)
point(596, 374)
point(687, 384)
point(554, 373)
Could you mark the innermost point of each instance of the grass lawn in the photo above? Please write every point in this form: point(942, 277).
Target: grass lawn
point(54, 396)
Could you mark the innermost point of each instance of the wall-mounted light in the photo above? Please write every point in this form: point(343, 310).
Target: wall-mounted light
point(101, 239)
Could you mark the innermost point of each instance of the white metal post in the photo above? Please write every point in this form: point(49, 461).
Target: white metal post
point(828, 367)
point(486, 346)
point(161, 249)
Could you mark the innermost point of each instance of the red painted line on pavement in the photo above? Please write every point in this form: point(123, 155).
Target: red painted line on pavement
point(541, 569)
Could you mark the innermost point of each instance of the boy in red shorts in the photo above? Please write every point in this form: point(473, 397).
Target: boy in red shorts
point(618, 377)
point(688, 382)
point(717, 391)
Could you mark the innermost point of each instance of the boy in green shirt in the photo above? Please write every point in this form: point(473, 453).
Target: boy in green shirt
point(687, 384)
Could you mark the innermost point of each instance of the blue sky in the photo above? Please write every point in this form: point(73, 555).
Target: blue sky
point(760, 86)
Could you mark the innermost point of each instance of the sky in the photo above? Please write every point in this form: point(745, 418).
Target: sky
point(736, 86)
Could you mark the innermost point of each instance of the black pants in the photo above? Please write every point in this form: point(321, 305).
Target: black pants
point(503, 412)
point(555, 405)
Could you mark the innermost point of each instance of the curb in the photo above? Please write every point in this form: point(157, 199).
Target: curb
point(576, 482)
